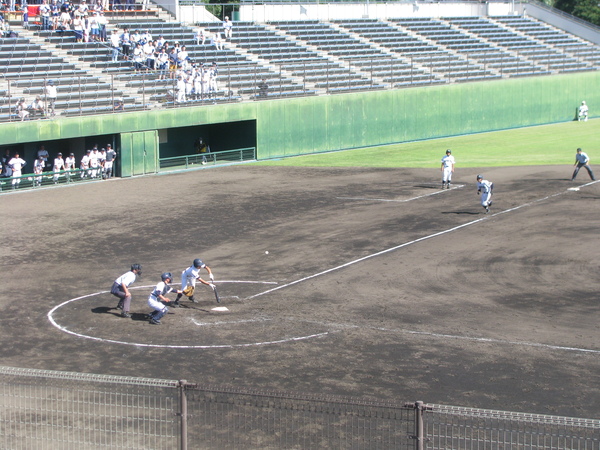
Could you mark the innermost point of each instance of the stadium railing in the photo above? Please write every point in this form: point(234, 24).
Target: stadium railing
point(208, 158)
point(46, 409)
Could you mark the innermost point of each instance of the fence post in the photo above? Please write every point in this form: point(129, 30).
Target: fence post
point(183, 414)
point(419, 435)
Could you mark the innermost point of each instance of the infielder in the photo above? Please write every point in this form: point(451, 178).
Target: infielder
point(120, 288)
point(583, 112)
point(157, 297)
point(582, 160)
point(485, 188)
point(447, 169)
point(188, 280)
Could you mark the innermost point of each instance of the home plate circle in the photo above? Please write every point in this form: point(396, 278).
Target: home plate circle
point(220, 309)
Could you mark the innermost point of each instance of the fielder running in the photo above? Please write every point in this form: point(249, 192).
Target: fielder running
point(447, 169)
point(583, 112)
point(157, 297)
point(485, 188)
point(188, 280)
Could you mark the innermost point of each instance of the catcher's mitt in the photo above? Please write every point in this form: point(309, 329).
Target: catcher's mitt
point(188, 291)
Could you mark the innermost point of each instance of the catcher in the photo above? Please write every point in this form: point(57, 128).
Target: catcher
point(188, 280)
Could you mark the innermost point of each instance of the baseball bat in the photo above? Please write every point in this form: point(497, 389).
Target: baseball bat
point(216, 294)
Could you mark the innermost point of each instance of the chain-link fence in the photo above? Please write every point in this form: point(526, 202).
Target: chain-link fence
point(47, 410)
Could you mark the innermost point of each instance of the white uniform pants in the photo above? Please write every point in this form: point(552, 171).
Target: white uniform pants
point(447, 175)
point(156, 304)
point(486, 198)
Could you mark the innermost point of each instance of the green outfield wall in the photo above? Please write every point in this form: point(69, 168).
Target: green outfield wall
point(286, 127)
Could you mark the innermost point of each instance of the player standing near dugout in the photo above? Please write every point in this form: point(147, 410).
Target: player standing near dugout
point(485, 188)
point(188, 280)
point(447, 169)
point(120, 288)
point(157, 298)
point(582, 160)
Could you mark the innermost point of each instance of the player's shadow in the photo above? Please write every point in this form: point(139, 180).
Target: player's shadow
point(117, 312)
point(186, 306)
point(469, 213)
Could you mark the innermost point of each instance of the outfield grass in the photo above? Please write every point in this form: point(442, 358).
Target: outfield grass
point(541, 145)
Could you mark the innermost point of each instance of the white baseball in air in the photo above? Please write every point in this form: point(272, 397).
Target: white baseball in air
point(266, 252)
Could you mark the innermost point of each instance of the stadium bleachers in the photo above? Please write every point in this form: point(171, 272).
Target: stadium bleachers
point(302, 57)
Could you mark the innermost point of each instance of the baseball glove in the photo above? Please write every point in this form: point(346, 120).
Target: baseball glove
point(188, 291)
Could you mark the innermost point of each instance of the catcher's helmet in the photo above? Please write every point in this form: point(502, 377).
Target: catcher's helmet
point(198, 263)
point(448, 151)
point(480, 177)
point(137, 267)
point(166, 275)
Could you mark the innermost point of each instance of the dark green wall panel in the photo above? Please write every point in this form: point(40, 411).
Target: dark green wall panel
point(295, 126)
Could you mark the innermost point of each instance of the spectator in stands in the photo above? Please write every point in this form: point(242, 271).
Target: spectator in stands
point(150, 55)
point(25, 11)
point(125, 39)
point(78, 27)
point(64, 20)
point(119, 105)
point(160, 42)
point(138, 58)
point(37, 107)
point(130, 4)
point(146, 37)
point(213, 80)
point(102, 23)
point(227, 28)
point(200, 36)
point(183, 59)
point(83, 8)
point(181, 89)
point(583, 112)
point(94, 27)
point(115, 43)
point(162, 61)
point(172, 62)
point(263, 88)
point(218, 41)
point(21, 109)
point(16, 164)
point(44, 12)
point(55, 13)
point(59, 164)
point(51, 94)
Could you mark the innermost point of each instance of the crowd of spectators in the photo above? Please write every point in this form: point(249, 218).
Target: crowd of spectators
point(94, 164)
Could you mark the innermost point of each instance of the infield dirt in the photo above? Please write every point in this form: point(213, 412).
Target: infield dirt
point(380, 285)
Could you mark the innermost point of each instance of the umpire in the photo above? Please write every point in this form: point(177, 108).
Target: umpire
point(582, 160)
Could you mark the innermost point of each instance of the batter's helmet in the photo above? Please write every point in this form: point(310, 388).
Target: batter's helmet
point(137, 267)
point(198, 263)
point(480, 177)
point(448, 151)
point(166, 275)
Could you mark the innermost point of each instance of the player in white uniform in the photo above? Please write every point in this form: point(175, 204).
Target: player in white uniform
point(447, 169)
point(583, 112)
point(59, 164)
point(157, 297)
point(485, 188)
point(70, 165)
point(85, 164)
point(120, 288)
point(38, 169)
point(189, 277)
point(16, 163)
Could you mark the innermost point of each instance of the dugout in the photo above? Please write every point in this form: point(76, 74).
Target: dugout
point(219, 136)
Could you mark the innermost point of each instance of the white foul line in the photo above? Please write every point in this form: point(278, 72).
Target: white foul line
point(399, 201)
point(406, 244)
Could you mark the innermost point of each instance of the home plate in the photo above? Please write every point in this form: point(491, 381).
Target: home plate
point(573, 189)
point(220, 308)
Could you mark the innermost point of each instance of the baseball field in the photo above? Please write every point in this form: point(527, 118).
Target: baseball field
point(350, 280)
